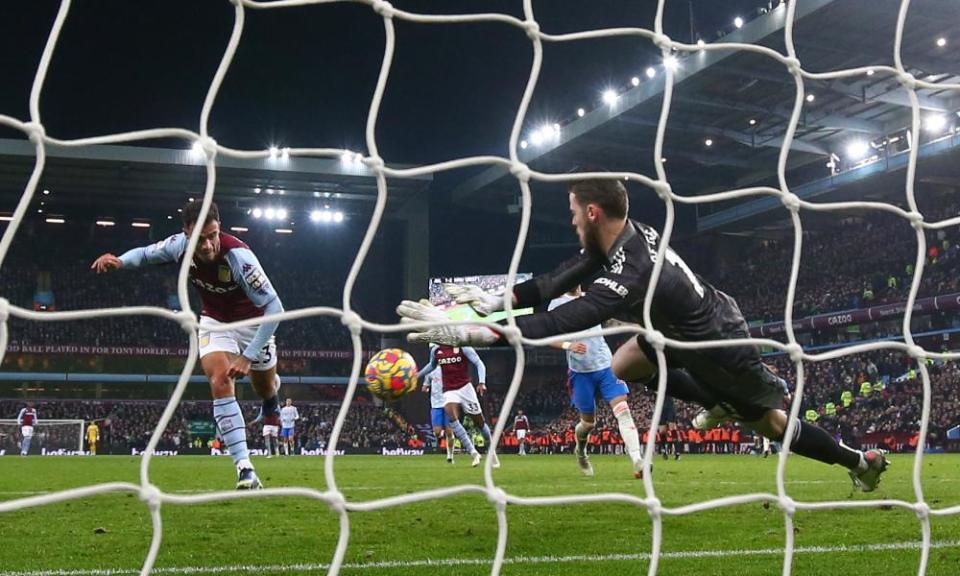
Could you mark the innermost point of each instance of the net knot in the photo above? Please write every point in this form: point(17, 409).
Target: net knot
point(151, 495)
point(374, 163)
point(654, 507)
point(336, 501)
point(383, 8)
point(512, 335)
point(907, 80)
point(209, 147)
point(663, 42)
point(520, 171)
point(788, 505)
point(497, 497)
point(916, 352)
point(532, 28)
point(793, 65)
point(916, 220)
point(656, 339)
point(4, 310)
point(187, 321)
point(795, 351)
point(791, 201)
point(663, 189)
point(35, 132)
point(922, 509)
point(353, 322)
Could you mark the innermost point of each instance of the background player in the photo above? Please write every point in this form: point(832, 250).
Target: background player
point(438, 416)
point(730, 382)
point(93, 436)
point(590, 374)
point(271, 431)
point(520, 426)
point(288, 419)
point(668, 435)
point(26, 420)
point(232, 287)
point(458, 391)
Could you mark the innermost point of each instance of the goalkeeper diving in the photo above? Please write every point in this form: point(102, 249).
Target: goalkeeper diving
point(618, 256)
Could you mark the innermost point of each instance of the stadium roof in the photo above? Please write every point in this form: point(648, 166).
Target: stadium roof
point(161, 178)
point(741, 101)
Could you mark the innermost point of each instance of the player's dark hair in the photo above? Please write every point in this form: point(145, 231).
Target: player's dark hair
point(607, 193)
point(191, 213)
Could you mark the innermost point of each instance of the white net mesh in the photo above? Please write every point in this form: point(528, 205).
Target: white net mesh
point(155, 498)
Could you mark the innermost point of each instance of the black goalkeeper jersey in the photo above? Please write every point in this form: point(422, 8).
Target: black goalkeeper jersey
point(685, 307)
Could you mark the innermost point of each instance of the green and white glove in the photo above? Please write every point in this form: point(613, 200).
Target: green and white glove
point(476, 297)
point(458, 335)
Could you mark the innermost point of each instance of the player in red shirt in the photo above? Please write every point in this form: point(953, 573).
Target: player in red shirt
point(458, 392)
point(232, 287)
point(520, 426)
point(26, 419)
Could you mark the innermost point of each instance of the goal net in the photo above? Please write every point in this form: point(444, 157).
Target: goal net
point(658, 183)
point(49, 437)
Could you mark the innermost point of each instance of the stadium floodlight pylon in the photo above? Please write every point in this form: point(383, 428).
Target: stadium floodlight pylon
point(209, 148)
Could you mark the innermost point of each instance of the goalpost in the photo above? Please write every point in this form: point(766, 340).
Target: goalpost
point(658, 183)
point(48, 436)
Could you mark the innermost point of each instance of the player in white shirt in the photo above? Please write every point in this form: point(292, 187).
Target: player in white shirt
point(590, 374)
point(288, 416)
point(438, 417)
point(26, 420)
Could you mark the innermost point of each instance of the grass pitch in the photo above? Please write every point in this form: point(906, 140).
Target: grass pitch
point(109, 535)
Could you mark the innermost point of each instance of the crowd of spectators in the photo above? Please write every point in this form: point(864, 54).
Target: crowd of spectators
point(864, 260)
point(62, 280)
point(834, 396)
point(126, 425)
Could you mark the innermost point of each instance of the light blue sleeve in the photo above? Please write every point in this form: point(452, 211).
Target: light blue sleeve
point(20, 416)
point(431, 366)
point(249, 275)
point(167, 250)
point(474, 358)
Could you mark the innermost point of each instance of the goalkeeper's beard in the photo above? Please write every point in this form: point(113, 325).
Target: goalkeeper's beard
point(590, 240)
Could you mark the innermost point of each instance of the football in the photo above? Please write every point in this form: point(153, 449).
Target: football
point(391, 373)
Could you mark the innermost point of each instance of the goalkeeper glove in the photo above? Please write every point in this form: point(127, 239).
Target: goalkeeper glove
point(484, 304)
point(459, 335)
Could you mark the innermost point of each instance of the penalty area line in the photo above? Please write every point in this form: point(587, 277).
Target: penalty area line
point(448, 562)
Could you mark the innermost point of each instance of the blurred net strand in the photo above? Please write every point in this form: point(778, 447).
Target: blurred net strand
point(154, 497)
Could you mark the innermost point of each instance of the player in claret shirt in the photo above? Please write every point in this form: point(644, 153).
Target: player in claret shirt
point(26, 420)
point(232, 287)
point(459, 393)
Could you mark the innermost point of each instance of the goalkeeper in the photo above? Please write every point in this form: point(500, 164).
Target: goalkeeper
point(730, 383)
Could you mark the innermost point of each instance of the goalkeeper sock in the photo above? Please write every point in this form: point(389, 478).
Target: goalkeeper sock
point(462, 436)
point(581, 432)
point(449, 434)
point(226, 411)
point(814, 442)
point(628, 430)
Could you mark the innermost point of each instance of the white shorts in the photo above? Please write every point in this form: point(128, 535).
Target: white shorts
point(27, 431)
point(521, 433)
point(466, 397)
point(235, 342)
point(270, 430)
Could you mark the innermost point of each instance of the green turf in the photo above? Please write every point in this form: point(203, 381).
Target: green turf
point(113, 531)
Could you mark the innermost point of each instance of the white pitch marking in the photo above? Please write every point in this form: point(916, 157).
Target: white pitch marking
point(446, 562)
